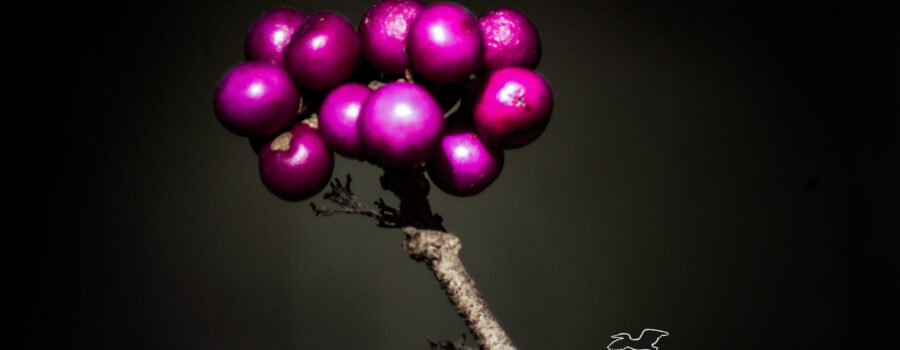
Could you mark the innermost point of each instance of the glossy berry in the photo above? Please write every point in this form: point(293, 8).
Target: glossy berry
point(445, 43)
point(323, 52)
point(270, 35)
point(296, 164)
point(382, 33)
point(512, 107)
point(463, 164)
point(510, 40)
point(400, 124)
point(256, 99)
point(338, 118)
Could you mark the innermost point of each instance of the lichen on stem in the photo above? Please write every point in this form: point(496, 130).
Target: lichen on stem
point(427, 241)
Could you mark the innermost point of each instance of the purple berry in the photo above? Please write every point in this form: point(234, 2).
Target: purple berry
point(382, 33)
point(338, 119)
point(464, 165)
point(445, 43)
point(296, 164)
point(323, 52)
point(270, 35)
point(400, 124)
point(256, 99)
point(510, 39)
point(512, 107)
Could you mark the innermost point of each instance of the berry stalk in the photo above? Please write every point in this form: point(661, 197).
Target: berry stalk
point(440, 252)
point(428, 242)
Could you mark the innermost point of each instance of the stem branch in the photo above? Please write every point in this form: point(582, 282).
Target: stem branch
point(426, 241)
point(440, 252)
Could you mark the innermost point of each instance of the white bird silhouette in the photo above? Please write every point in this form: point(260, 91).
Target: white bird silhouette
point(646, 341)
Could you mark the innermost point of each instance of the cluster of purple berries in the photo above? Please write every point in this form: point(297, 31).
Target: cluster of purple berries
point(319, 64)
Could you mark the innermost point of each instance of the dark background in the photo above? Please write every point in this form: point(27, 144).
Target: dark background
point(722, 171)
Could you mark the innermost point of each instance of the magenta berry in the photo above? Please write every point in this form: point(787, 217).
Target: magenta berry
point(463, 164)
point(256, 99)
point(338, 118)
point(400, 124)
point(445, 43)
point(512, 107)
point(382, 33)
point(510, 40)
point(323, 52)
point(270, 35)
point(298, 64)
point(296, 164)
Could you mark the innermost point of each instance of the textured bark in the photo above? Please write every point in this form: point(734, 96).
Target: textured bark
point(440, 252)
point(426, 241)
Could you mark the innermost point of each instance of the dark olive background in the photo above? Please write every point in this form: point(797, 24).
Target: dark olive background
point(723, 171)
